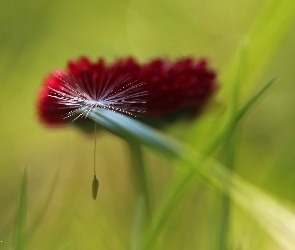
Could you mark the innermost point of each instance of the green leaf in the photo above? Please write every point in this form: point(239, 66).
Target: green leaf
point(130, 129)
point(20, 229)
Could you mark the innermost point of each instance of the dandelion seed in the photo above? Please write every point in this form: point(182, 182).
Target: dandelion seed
point(79, 97)
point(117, 93)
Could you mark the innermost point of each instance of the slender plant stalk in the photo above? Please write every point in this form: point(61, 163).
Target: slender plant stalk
point(229, 153)
point(230, 147)
point(94, 150)
point(20, 229)
point(139, 174)
point(137, 225)
point(95, 182)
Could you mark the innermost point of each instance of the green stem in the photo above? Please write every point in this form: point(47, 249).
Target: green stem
point(230, 147)
point(20, 239)
point(229, 154)
point(139, 174)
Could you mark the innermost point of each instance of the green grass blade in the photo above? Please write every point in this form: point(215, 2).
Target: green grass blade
point(139, 175)
point(211, 146)
point(275, 218)
point(254, 99)
point(262, 40)
point(233, 104)
point(221, 134)
point(20, 230)
point(42, 211)
point(229, 151)
point(137, 224)
point(130, 129)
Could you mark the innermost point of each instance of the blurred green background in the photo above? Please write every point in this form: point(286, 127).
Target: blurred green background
point(38, 36)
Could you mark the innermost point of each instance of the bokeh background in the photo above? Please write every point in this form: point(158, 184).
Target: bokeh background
point(38, 36)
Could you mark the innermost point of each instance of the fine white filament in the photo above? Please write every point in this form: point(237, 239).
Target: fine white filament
point(121, 94)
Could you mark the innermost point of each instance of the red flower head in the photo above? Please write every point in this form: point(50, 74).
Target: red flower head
point(165, 91)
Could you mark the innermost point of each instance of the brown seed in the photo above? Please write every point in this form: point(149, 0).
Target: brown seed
point(95, 185)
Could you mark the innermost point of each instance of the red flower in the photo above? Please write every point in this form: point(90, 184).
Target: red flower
point(175, 90)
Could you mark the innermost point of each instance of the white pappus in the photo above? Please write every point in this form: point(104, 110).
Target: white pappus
point(120, 94)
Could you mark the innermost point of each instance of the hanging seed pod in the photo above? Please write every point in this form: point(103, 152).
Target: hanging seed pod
point(95, 185)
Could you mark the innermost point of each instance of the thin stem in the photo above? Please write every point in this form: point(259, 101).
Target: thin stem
point(95, 182)
point(139, 174)
point(230, 147)
point(20, 228)
point(94, 150)
point(229, 154)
